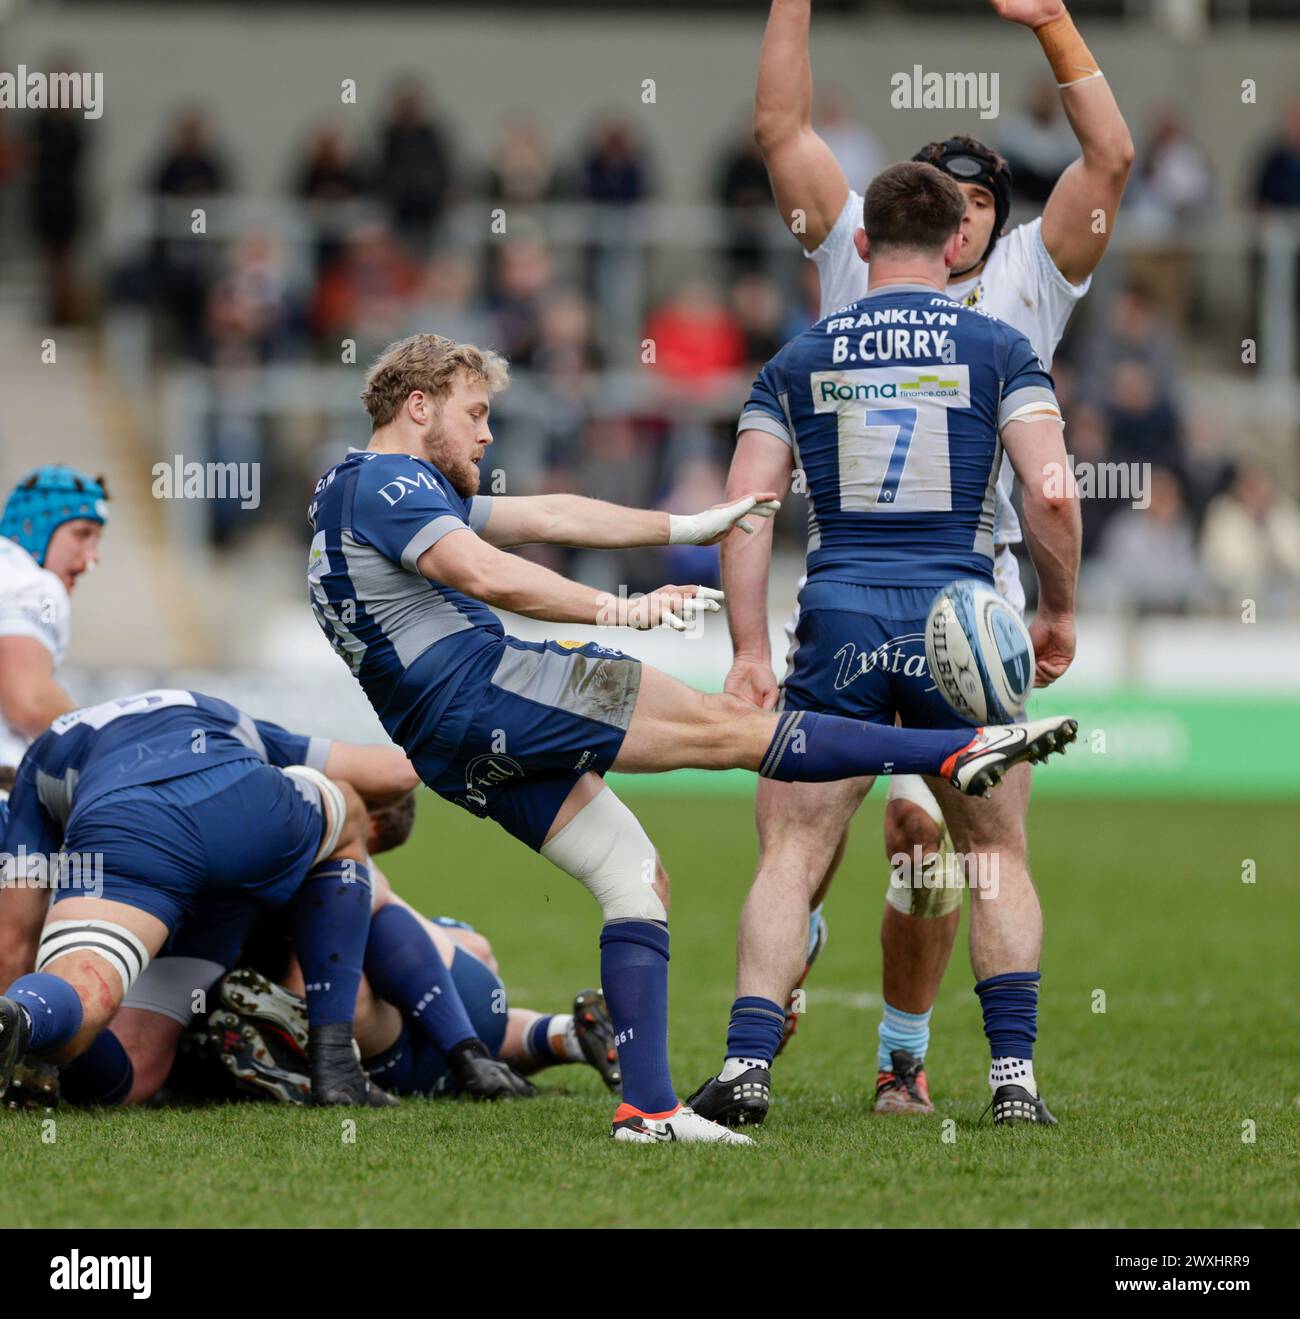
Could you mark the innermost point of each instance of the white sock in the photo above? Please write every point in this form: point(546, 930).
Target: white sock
point(733, 1067)
point(563, 1021)
point(1013, 1071)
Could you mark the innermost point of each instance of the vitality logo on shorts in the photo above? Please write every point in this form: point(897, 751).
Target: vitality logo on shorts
point(889, 657)
point(484, 772)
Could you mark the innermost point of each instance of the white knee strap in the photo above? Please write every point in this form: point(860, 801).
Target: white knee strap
point(321, 789)
point(605, 848)
point(121, 949)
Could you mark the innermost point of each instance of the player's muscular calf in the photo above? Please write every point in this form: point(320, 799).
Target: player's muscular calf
point(799, 827)
point(916, 945)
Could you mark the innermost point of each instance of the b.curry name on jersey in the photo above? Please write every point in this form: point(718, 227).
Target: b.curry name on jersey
point(886, 337)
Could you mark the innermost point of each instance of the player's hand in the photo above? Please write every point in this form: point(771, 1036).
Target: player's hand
point(1053, 638)
point(753, 681)
point(677, 607)
point(714, 523)
point(1030, 13)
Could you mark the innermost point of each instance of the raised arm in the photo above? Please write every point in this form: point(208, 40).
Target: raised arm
point(469, 564)
point(1053, 533)
point(763, 459)
point(593, 524)
point(1080, 214)
point(807, 181)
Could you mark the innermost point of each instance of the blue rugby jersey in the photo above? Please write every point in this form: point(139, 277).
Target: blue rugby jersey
point(151, 737)
point(411, 642)
point(892, 406)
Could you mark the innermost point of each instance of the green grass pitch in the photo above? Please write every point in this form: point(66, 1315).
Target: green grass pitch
point(1179, 1104)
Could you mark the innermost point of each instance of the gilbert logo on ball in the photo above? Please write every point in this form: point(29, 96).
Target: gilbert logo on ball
point(979, 652)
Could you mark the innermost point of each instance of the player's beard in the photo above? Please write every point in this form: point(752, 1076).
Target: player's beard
point(458, 469)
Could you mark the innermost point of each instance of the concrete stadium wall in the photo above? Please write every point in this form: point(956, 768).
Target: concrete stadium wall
point(268, 75)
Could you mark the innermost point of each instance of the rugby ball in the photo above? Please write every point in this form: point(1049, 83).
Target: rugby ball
point(979, 652)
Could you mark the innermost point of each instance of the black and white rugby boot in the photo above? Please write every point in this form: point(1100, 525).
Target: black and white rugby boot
point(15, 1031)
point(742, 1101)
point(979, 766)
point(259, 1032)
point(595, 1033)
point(1013, 1104)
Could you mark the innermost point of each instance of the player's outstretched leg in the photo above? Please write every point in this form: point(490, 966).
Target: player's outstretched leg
point(598, 841)
point(674, 726)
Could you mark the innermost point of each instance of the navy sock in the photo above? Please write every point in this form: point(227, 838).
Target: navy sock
point(102, 1075)
point(404, 967)
point(1010, 1003)
point(394, 1069)
point(331, 918)
point(755, 1029)
point(52, 1007)
point(537, 1042)
point(634, 976)
point(818, 748)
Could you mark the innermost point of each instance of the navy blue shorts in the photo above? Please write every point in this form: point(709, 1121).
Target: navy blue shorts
point(484, 997)
point(233, 834)
point(859, 651)
point(551, 712)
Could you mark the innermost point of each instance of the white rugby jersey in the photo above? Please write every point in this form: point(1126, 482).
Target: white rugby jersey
point(33, 603)
point(1020, 285)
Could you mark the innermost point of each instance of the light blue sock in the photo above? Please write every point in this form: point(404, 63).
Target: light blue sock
point(902, 1030)
point(815, 923)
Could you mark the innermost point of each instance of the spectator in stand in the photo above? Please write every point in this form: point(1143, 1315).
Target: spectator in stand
point(696, 339)
point(567, 355)
point(365, 294)
point(190, 170)
point(446, 301)
point(58, 166)
point(1250, 545)
point(757, 307)
point(1277, 188)
point(330, 177)
point(745, 191)
point(615, 168)
point(1278, 184)
point(1147, 561)
point(191, 166)
point(1141, 419)
point(414, 172)
point(250, 312)
point(1131, 332)
point(1174, 177)
point(522, 279)
point(522, 172)
point(1038, 144)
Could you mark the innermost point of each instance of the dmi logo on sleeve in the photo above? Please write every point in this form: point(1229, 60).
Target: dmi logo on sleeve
point(103, 1273)
point(394, 491)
